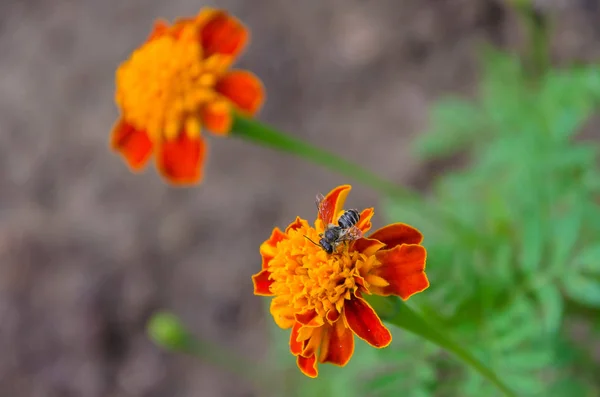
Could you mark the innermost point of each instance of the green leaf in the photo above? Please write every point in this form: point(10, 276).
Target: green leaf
point(582, 290)
point(589, 259)
point(566, 233)
point(532, 242)
point(551, 304)
point(404, 317)
point(455, 124)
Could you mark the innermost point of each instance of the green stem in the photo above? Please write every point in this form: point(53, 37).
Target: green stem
point(167, 331)
point(262, 134)
point(395, 311)
point(538, 31)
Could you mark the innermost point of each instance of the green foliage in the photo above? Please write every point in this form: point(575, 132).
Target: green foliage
point(527, 254)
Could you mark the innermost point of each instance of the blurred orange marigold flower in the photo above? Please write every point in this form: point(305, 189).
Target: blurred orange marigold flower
point(176, 83)
point(319, 296)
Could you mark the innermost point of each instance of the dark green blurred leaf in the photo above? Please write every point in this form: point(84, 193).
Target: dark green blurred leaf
point(455, 124)
point(589, 259)
point(582, 290)
point(551, 304)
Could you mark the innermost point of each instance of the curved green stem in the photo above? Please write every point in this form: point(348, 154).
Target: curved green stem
point(394, 311)
point(167, 331)
point(264, 135)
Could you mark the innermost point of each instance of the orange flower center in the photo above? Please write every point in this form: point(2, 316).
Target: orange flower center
point(306, 278)
point(164, 85)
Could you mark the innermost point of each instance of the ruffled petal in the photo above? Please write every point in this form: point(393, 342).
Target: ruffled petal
point(222, 34)
point(297, 224)
point(216, 117)
point(333, 203)
point(364, 222)
point(396, 234)
point(269, 247)
point(365, 323)
point(262, 284)
point(295, 345)
point(181, 160)
point(308, 365)
point(403, 267)
point(161, 28)
point(337, 345)
point(310, 319)
point(282, 313)
point(314, 343)
point(244, 89)
point(368, 246)
point(134, 145)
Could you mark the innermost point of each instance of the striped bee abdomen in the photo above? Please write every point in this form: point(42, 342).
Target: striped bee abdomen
point(348, 219)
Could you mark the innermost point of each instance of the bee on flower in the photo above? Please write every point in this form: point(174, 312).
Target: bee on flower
point(319, 295)
point(178, 83)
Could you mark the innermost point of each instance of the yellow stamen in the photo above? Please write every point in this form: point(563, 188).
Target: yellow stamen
point(166, 82)
point(306, 278)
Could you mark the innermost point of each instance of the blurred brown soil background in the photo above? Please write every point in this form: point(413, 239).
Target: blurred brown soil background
point(88, 250)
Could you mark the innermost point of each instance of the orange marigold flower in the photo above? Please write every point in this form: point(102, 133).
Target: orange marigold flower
point(178, 82)
point(319, 296)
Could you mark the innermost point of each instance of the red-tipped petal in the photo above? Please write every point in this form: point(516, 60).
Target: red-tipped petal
point(262, 284)
point(161, 27)
point(265, 261)
point(311, 347)
point(181, 160)
point(365, 323)
point(309, 318)
point(244, 89)
point(297, 224)
point(295, 345)
point(338, 344)
point(216, 117)
point(404, 268)
point(364, 222)
point(334, 203)
point(308, 366)
point(223, 34)
point(134, 145)
point(396, 234)
point(368, 246)
point(268, 249)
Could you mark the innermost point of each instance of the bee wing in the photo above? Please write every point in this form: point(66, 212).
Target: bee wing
point(325, 210)
point(351, 234)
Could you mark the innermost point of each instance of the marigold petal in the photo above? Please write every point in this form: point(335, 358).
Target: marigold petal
point(295, 345)
point(216, 117)
point(337, 344)
point(308, 365)
point(365, 323)
point(396, 234)
point(376, 281)
point(283, 315)
point(368, 246)
point(223, 34)
point(309, 319)
point(314, 343)
point(332, 316)
point(297, 224)
point(364, 222)
point(244, 89)
point(133, 144)
point(262, 283)
point(268, 248)
point(404, 268)
point(265, 261)
point(161, 27)
point(334, 203)
point(181, 160)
